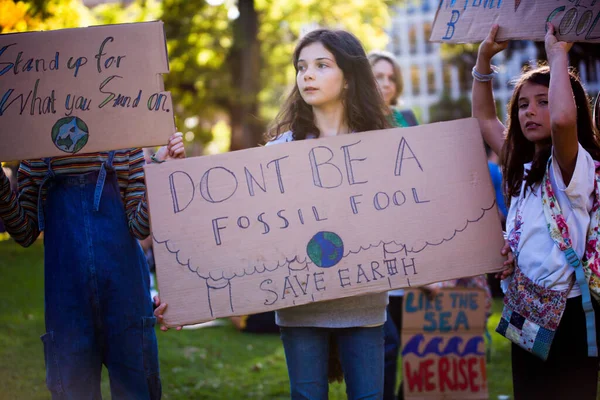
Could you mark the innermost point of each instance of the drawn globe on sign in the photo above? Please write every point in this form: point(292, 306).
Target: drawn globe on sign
point(70, 134)
point(325, 249)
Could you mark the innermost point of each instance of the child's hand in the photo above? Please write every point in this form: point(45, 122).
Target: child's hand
point(174, 149)
point(158, 313)
point(553, 46)
point(509, 264)
point(431, 291)
point(489, 47)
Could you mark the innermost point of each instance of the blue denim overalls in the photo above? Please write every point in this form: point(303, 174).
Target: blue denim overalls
point(98, 306)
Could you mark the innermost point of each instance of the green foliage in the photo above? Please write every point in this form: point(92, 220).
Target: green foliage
point(198, 37)
point(136, 11)
point(21, 16)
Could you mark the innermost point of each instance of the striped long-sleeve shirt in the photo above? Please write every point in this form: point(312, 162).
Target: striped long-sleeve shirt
point(20, 211)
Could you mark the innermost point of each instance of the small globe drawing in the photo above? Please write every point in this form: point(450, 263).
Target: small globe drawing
point(325, 249)
point(70, 134)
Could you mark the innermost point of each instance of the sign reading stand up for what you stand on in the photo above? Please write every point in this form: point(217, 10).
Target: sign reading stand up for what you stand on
point(83, 90)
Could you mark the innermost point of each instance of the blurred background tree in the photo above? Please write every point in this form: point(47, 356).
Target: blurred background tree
point(20, 16)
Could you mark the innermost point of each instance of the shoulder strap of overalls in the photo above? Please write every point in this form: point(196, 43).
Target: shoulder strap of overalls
point(559, 232)
point(106, 165)
point(40, 203)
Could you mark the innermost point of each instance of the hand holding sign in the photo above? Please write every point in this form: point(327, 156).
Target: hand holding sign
point(509, 264)
point(554, 47)
point(488, 49)
point(158, 313)
point(174, 149)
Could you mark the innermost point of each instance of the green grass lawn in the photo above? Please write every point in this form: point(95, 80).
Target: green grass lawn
point(210, 363)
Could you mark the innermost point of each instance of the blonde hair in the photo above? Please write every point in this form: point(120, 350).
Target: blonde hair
point(377, 55)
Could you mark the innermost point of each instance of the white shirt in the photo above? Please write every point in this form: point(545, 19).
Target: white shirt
point(540, 259)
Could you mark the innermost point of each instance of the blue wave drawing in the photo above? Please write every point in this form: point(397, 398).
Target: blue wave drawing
point(452, 347)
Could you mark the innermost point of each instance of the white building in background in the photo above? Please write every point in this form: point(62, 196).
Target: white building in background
point(427, 76)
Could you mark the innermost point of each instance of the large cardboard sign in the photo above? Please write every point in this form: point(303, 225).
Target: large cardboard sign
point(443, 354)
point(83, 90)
point(469, 21)
point(313, 220)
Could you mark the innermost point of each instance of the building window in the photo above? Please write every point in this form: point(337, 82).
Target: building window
point(396, 44)
point(447, 76)
point(427, 32)
point(414, 77)
point(430, 79)
point(412, 39)
point(425, 7)
point(496, 83)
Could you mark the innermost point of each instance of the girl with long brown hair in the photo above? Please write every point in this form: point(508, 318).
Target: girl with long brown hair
point(547, 151)
point(335, 94)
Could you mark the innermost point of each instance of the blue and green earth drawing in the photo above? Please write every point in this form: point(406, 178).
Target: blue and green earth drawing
point(325, 249)
point(70, 134)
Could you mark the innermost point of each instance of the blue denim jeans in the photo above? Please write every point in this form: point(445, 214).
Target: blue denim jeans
point(392, 350)
point(361, 355)
point(97, 295)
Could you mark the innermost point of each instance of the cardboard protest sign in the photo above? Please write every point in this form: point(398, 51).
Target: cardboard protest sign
point(300, 222)
point(83, 90)
point(469, 21)
point(443, 353)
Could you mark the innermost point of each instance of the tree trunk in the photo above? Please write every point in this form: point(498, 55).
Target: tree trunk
point(244, 64)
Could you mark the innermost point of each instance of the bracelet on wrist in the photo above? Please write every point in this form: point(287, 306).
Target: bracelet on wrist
point(484, 77)
point(156, 160)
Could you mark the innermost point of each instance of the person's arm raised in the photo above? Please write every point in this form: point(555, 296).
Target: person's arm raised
point(483, 106)
point(562, 106)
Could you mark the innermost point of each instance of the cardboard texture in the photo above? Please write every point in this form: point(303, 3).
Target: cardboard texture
point(313, 220)
point(83, 90)
point(469, 21)
point(443, 353)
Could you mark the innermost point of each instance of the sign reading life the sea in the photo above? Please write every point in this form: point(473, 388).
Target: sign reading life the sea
point(443, 354)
